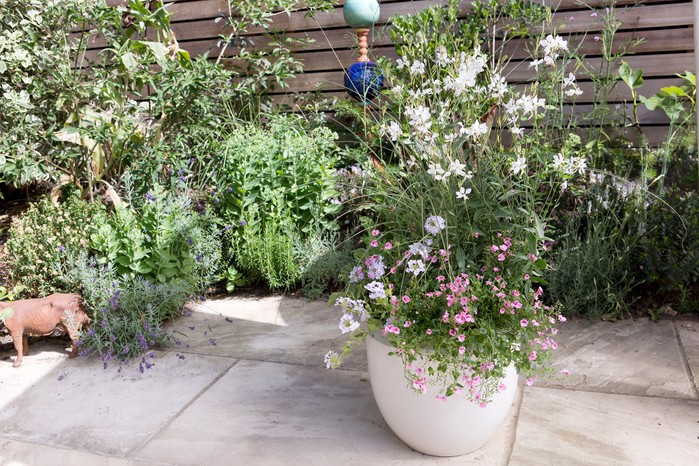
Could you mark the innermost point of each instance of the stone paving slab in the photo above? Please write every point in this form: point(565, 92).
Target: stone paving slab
point(573, 428)
point(635, 357)
point(16, 453)
point(278, 329)
point(279, 414)
point(78, 405)
point(689, 335)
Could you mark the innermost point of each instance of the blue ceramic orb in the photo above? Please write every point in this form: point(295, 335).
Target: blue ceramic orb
point(363, 81)
point(361, 13)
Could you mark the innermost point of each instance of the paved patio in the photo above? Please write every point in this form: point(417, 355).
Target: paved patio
point(247, 385)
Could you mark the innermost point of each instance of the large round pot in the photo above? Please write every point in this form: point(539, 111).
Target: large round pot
point(429, 425)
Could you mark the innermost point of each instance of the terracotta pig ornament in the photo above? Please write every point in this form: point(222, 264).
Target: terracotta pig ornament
point(58, 313)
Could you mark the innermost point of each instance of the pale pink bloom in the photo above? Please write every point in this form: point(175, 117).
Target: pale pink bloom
point(526, 276)
point(375, 233)
point(475, 235)
point(532, 356)
point(428, 331)
point(462, 350)
point(597, 38)
point(503, 247)
point(530, 382)
point(406, 299)
point(374, 243)
point(388, 246)
point(535, 323)
point(593, 14)
point(494, 248)
point(406, 324)
point(501, 257)
point(502, 387)
point(452, 332)
point(561, 318)
point(565, 372)
point(496, 270)
point(462, 337)
point(440, 278)
point(524, 322)
point(515, 293)
point(532, 257)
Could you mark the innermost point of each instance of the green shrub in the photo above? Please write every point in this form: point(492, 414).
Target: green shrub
point(268, 254)
point(667, 253)
point(161, 241)
point(590, 263)
point(42, 239)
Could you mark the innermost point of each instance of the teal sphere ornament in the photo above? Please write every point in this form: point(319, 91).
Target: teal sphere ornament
point(361, 13)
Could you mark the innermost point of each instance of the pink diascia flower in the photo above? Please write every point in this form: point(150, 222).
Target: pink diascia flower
point(388, 246)
point(428, 331)
point(374, 243)
point(475, 235)
point(524, 322)
point(406, 299)
point(389, 328)
point(501, 257)
point(565, 372)
point(462, 350)
point(530, 382)
point(532, 356)
point(375, 233)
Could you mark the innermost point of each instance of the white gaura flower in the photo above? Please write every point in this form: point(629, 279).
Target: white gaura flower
point(575, 91)
point(579, 164)
point(519, 166)
point(498, 86)
point(457, 168)
point(435, 171)
point(419, 118)
point(535, 64)
point(394, 131)
point(559, 162)
point(476, 130)
point(463, 193)
point(552, 45)
point(517, 131)
point(441, 56)
point(569, 80)
point(402, 63)
point(417, 67)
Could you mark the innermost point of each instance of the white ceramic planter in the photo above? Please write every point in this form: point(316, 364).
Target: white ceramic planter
point(426, 424)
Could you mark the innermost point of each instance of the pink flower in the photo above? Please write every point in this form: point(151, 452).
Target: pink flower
point(524, 322)
point(406, 299)
point(532, 257)
point(502, 387)
point(475, 235)
point(532, 356)
point(526, 276)
point(462, 337)
point(593, 14)
point(374, 243)
point(503, 247)
point(375, 233)
point(597, 38)
point(428, 331)
point(494, 248)
point(452, 332)
point(462, 350)
point(530, 382)
point(388, 246)
point(501, 257)
point(565, 372)
point(561, 318)
point(440, 278)
point(406, 324)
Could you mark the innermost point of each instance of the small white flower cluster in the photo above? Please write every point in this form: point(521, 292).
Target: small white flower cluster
point(352, 310)
point(570, 86)
point(553, 46)
point(569, 166)
point(523, 108)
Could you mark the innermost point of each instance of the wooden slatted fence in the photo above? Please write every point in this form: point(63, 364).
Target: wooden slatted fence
point(666, 27)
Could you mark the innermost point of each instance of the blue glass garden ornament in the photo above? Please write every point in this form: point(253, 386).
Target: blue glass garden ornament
point(363, 81)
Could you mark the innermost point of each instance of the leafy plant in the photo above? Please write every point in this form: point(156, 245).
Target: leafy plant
point(161, 241)
point(41, 240)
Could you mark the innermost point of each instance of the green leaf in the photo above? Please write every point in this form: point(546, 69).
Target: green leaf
point(6, 314)
point(633, 79)
point(129, 61)
point(674, 91)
